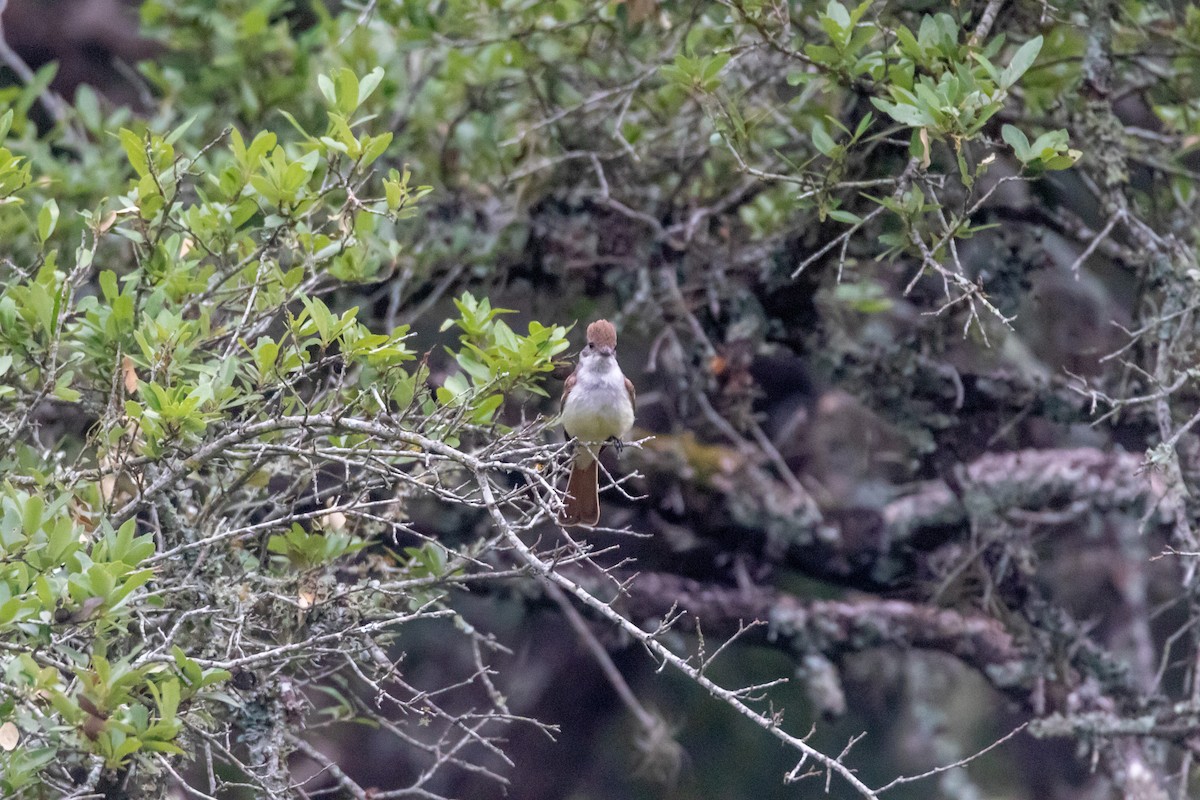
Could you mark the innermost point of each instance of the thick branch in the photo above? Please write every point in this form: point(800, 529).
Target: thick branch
point(828, 626)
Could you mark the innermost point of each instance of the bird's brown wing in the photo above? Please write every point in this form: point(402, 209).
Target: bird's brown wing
point(628, 387)
point(568, 385)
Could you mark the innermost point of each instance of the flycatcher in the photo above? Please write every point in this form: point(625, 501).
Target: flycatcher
point(597, 406)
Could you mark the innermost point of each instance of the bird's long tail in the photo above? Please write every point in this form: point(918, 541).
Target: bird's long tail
point(582, 506)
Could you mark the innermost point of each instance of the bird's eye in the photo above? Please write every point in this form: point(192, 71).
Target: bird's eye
point(587, 346)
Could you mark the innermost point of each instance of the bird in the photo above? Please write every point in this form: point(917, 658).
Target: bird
point(598, 404)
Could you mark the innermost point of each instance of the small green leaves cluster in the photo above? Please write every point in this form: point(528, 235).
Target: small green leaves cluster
point(1050, 151)
point(698, 74)
point(14, 174)
point(30, 317)
point(50, 571)
point(304, 550)
point(428, 563)
point(865, 297)
point(936, 78)
point(940, 81)
point(846, 54)
point(19, 99)
point(65, 578)
point(945, 88)
point(228, 58)
point(837, 152)
point(956, 93)
point(495, 360)
point(345, 94)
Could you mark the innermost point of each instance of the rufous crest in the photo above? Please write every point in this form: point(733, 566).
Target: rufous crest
point(601, 333)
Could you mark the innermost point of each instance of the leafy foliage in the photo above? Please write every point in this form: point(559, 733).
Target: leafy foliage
point(233, 442)
point(205, 324)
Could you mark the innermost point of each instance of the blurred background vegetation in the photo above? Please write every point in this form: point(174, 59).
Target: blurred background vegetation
point(908, 291)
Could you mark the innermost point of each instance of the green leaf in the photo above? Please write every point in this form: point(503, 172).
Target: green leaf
point(181, 129)
point(1016, 139)
point(845, 216)
point(863, 124)
point(1051, 141)
point(31, 514)
point(47, 219)
point(135, 151)
point(1022, 60)
point(903, 113)
point(838, 13)
point(325, 83)
point(822, 140)
point(369, 83)
point(9, 609)
point(124, 750)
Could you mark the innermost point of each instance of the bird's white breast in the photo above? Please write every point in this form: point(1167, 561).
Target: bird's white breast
point(598, 406)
